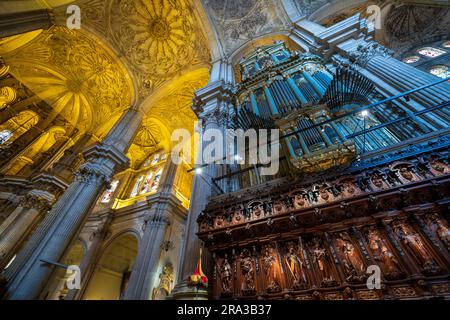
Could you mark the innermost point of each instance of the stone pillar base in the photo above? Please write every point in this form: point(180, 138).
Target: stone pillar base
point(183, 291)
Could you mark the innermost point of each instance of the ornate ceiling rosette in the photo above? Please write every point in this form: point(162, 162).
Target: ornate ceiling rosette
point(158, 39)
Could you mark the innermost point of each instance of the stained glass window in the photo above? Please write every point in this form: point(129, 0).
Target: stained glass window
point(155, 159)
point(155, 183)
point(440, 71)
point(5, 135)
point(446, 44)
point(108, 193)
point(135, 190)
point(147, 182)
point(411, 59)
point(431, 52)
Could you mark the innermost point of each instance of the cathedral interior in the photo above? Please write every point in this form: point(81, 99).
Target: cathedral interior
point(91, 92)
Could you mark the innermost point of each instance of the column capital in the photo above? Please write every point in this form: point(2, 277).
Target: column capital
point(90, 175)
point(31, 201)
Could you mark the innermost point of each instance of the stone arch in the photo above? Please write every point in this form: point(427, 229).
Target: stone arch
point(109, 279)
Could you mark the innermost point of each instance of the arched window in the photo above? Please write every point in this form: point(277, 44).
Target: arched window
point(431, 52)
point(411, 59)
point(440, 71)
point(5, 135)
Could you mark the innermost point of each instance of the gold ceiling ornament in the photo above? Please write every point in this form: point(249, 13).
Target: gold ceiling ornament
point(75, 74)
point(158, 39)
point(175, 108)
point(7, 96)
point(149, 134)
point(151, 137)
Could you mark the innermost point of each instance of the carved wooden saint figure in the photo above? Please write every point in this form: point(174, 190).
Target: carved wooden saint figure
point(295, 266)
point(439, 228)
point(272, 270)
point(225, 275)
point(381, 253)
point(322, 263)
point(248, 273)
point(415, 246)
point(353, 264)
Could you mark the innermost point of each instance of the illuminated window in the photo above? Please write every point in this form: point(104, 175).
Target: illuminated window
point(147, 183)
point(440, 71)
point(5, 135)
point(411, 59)
point(155, 183)
point(446, 44)
point(108, 193)
point(135, 190)
point(155, 159)
point(431, 52)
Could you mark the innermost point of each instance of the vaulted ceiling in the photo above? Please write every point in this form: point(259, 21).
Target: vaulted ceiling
point(158, 52)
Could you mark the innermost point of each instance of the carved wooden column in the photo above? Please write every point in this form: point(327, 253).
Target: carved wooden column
point(28, 273)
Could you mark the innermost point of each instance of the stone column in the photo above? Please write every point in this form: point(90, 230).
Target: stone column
point(21, 22)
point(145, 269)
point(215, 102)
point(26, 214)
point(28, 274)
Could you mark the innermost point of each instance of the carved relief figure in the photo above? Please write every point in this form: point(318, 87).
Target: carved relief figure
point(272, 270)
point(353, 264)
point(225, 275)
point(248, 272)
point(321, 261)
point(415, 246)
point(295, 266)
point(381, 253)
point(439, 228)
point(438, 167)
point(257, 210)
point(377, 181)
point(349, 189)
point(299, 200)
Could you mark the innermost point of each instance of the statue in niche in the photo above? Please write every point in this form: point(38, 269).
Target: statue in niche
point(438, 227)
point(278, 206)
point(248, 273)
point(437, 166)
point(321, 260)
point(225, 275)
point(353, 264)
point(295, 266)
point(406, 174)
point(381, 253)
point(271, 269)
point(166, 279)
point(415, 246)
point(377, 181)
